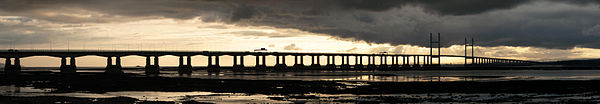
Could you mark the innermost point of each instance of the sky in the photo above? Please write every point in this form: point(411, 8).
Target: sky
point(539, 30)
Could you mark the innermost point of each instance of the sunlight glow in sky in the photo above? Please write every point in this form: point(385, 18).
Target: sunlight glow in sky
point(398, 29)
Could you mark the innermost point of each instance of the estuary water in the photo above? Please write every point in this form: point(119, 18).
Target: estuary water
point(387, 76)
point(342, 81)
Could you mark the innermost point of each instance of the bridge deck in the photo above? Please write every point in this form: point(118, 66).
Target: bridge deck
point(119, 53)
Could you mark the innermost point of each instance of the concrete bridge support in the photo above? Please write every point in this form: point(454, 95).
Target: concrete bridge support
point(150, 69)
point(425, 62)
point(260, 64)
point(416, 62)
point(383, 62)
point(483, 61)
point(185, 68)
point(238, 67)
point(405, 62)
point(345, 62)
point(395, 65)
point(280, 64)
point(358, 63)
point(71, 68)
point(12, 68)
point(371, 65)
point(298, 66)
point(110, 68)
point(330, 63)
point(213, 68)
point(314, 65)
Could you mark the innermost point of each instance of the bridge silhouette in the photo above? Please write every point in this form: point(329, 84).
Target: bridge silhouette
point(409, 61)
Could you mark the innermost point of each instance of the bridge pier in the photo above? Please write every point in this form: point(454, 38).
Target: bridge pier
point(483, 61)
point(416, 62)
point(12, 68)
point(185, 68)
point(383, 62)
point(395, 65)
point(426, 63)
point(330, 63)
point(213, 68)
point(238, 67)
point(110, 68)
point(371, 65)
point(358, 63)
point(280, 64)
point(259, 66)
point(149, 69)
point(314, 65)
point(345, 63)
point(71, 68)
point(298, 66)
point(405, 62)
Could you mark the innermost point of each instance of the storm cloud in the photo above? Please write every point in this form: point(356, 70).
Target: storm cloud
point(545, 24)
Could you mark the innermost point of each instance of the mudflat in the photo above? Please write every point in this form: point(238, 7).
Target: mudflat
point(301, 91)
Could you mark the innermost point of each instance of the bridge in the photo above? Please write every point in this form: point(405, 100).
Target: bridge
point(408, 61)
point(13, 64)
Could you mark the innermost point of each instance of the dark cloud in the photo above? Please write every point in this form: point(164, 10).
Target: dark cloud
point(541, 23)
point(260, 33)
point(15, 31)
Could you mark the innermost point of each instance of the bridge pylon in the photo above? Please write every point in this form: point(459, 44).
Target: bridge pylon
point(429, 60)
point(472, 57)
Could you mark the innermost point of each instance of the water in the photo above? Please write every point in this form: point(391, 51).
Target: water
point(351, 80)
point(391, 76)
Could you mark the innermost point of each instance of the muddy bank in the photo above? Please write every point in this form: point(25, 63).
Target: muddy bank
point(296, 91)
point(105, 83)
point(74, 100)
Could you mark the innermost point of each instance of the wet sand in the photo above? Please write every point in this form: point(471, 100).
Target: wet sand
point(298, 91)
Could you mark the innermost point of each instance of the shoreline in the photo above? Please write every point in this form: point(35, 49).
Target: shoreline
point(292, 89)
point(105, 83)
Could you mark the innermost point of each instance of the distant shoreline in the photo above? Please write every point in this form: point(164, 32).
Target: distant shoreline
point(104, 83)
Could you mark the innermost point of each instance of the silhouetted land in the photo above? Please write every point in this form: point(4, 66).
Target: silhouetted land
point(293, 89)
point(588, 62)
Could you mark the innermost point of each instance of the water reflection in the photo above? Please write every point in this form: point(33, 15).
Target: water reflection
point(349, 80)
point(374, 78)
point(589, 97)
point(401, 76)
point(387, 76)
point(199, 96)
